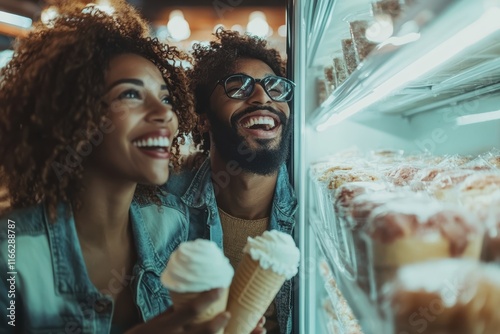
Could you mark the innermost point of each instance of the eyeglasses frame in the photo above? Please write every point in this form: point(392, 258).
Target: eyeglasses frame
point(256, 81)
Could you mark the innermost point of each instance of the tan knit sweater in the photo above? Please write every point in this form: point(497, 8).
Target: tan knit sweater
point(235, 233)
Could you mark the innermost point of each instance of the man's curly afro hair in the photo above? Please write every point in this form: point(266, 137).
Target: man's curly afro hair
point(217, 60)
point(51, 91)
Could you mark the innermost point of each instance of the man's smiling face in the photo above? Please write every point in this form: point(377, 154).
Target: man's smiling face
point(255, 131)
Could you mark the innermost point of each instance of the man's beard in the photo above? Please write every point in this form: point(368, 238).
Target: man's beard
point(232, 146)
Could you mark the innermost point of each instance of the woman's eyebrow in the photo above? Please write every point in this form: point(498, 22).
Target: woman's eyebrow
point(137, 82)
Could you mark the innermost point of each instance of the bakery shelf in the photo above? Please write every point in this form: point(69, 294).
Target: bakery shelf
point(339, 268)
point(452, 56)
point(341, 319)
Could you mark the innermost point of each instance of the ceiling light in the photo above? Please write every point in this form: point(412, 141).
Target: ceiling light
point(238, 28)
point(217, 26)
point(257, 24)
point(101, 5)
point(478, 118)
point(282, 30)
point(177, 26)
point(49, 15)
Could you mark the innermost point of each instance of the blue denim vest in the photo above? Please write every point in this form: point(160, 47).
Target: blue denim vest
point(53, 293)
point(197, 191)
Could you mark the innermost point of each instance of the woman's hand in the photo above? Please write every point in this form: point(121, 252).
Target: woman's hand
point(260, 327)
point(180, 320)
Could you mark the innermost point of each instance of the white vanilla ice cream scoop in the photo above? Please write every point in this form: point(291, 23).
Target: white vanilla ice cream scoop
point(197, 266)
point(274, 250)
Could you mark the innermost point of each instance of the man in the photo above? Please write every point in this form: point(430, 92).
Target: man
point(242, 188)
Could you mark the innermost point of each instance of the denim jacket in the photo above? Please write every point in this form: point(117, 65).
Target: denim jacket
point(53, 292)
point(197, 191)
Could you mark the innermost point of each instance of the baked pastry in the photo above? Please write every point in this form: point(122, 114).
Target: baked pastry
point(494, 160)
point(323, 90)
point(363, 205)
point(356, 216)
point(328, 170)
point(479, 184)
point(339, 70)
point(456, 160)
point(339, 177)
point(415, 230)
point(387, 7)
point(422, 179)
point(349, 55)
point(491, 251)
point(362, 46)
point(478, 164)
point(443, 185)
point(450, 296)
point(347, 322)
point(402, 175)
point(487, 210)
point(384, 154)
point(345, 194)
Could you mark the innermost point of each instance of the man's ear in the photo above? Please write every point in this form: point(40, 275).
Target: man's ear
point(204, 124)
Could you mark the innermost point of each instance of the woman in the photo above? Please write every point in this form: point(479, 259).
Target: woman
point(91, 112)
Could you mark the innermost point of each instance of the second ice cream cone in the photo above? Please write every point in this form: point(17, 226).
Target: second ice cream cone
point(252, 291)
point(268, 260)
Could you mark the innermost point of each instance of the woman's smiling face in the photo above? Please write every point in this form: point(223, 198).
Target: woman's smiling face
point(143, 123)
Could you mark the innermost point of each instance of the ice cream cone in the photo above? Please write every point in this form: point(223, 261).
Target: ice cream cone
point(195, 267)
point(180, 299)
point(252, 291)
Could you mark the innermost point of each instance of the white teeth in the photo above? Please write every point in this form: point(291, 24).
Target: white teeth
point(262, 120)
point(153, 142)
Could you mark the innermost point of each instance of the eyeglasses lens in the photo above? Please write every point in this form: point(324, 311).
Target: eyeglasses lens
point(242, 86)
point(239, 87)
point(277, 88)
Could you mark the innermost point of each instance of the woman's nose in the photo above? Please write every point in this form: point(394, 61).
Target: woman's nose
point(161, 113)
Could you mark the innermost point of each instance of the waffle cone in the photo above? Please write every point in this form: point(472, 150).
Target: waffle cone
point(181, 299)
point(252, 291)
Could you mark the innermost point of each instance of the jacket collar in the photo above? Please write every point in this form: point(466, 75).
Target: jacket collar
point(285, 201)
point(70, 271)
point(200, 193)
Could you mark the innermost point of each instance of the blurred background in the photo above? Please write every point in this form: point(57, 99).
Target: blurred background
point(178, 22)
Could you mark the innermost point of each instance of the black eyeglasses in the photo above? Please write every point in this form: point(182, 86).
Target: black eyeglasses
point(241, 86)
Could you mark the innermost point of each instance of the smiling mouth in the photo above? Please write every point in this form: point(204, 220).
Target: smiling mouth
point(266, 123)
point(153, 144)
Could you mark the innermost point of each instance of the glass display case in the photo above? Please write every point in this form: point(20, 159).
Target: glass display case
point(381, 85)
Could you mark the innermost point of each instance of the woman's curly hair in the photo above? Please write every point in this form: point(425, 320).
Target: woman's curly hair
point(217, 60)
point(51, 91)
